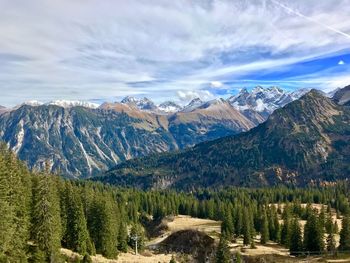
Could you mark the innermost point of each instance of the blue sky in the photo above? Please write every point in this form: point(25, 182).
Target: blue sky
point(103, 50)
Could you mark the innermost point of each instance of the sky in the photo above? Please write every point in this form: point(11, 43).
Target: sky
point(103, 50)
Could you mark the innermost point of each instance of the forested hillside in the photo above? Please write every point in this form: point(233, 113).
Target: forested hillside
point(41, 213)
point(305, 142)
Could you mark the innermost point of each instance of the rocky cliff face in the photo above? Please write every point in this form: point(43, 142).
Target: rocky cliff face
point(82, 142)
point(307, 141)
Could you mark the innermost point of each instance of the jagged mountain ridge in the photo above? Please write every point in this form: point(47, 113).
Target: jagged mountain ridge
point(82, 142)
point(263, 101)
point(120, 125)
point(306, 141)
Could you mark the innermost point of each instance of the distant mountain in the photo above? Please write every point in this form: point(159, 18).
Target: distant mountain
point(73, 103)
point(3, 109)
point(82, 141)
point(331, 93)
point(342, 96)
point(31, 103)
point(141, 104)
point(263, 101)
point(210, 120)
point(169, 107)
point(193, 104)
point(61, 103)
point(305, 142)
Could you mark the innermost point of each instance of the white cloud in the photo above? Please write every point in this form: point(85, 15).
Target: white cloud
point(216, 84)
point(341, 62)
point(188, 95)
point(88, 49)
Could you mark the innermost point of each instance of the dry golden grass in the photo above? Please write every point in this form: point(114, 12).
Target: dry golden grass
point(182, 222)
point(147, 257)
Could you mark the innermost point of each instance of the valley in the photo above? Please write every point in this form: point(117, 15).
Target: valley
point(81, 139)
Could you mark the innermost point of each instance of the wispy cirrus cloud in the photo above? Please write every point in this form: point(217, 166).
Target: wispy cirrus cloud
point(108, 49)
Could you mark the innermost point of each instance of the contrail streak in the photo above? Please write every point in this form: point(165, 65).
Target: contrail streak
point(310, 19)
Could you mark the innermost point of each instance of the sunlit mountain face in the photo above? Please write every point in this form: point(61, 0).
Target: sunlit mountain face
point(169, 50)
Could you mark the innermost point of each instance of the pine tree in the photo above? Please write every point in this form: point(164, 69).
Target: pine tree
point(285, 231)
point(331, 243)
point(15, 195)
point(223, 253)
point(313, 234)
point(238, 221)
point(296, 243)
point(6, 210)
point(227, 227)
point(277, 233)
point(77, 236)
point(246, 228)
point(123, 238)
point(46, 225)
point(264, 229)
point(322, 217)
point(344, 243)
point(273, 224)
point(103, 223)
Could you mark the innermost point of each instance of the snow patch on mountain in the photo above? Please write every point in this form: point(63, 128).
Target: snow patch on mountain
point(264, 100)
point(195, 103)
point(141, 104)
point(73, 103)
point(32, 103)
point(169, 107)
point(19, 138)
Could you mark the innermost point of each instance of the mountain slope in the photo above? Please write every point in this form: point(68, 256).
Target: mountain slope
point(306, 141)
point(3, 109)
point(208, 121)
point(342, 96)
point(82, 142)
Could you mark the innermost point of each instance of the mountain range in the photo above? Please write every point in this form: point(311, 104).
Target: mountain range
point(304, 142)
point(81, 139)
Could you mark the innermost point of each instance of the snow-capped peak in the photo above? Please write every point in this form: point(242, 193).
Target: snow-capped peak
point(142, 104)
point(32, 103)
point(264, 100)
point(129, 99)
point(73, 103)
point(195, 103)
point(258, 89)
point(169, 106)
